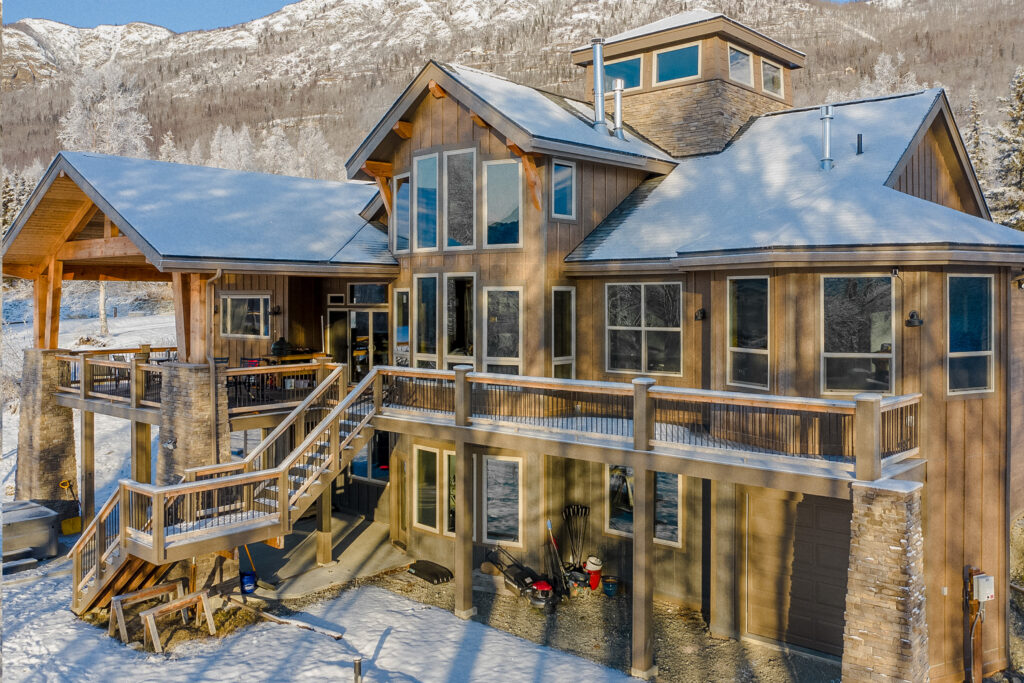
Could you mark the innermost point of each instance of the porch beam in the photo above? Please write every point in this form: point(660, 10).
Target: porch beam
point(114, 274)
point(436, 90)
point(98, 248)
point(83, 214)
point(643, 576)
point(23, 271)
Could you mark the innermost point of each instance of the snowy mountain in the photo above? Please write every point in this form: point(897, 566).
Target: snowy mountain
point(340, 62)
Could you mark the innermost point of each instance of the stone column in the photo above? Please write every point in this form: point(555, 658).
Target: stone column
point(46, 437)
point(187, 428)
point(886, 636)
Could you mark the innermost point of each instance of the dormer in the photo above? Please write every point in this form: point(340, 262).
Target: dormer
point(693, 79)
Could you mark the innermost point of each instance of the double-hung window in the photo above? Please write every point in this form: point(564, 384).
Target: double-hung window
point(563, 332)
point(858, 333)
point(401, 218)
point(748, 331)
point(643, 323)
point(667, 504)
point(459, 305)
point(426, 205)
point(459, 198)
point(425, 322)
point(503, 330)
point(503, 202)
point(563, 190)
point(677, 64)
point(741, 66)
point(970, 307)
point(245, 315)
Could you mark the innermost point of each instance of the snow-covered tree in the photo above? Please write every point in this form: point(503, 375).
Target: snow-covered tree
point(195, 154)
point(104, 114)
point(1009, 157)
point(887, 78)
point(975, 136)
point(169, 150)
point(315, 156)
point(231, 149)
point(276, 154)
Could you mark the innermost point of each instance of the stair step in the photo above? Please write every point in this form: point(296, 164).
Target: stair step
point(19, 565)
point(17, 554)
point(272, 503)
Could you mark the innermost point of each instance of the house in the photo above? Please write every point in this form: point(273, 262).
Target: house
point(769, 347)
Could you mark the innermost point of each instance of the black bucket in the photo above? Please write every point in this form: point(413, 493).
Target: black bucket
point(248, 581)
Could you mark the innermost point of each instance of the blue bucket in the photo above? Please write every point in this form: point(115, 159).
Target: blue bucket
point(610, 584)
point(248, 580)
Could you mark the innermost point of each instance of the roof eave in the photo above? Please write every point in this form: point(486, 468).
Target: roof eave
point(187, 264)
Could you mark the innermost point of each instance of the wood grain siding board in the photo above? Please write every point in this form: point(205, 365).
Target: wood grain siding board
point(1015, 398)
point(934, 173)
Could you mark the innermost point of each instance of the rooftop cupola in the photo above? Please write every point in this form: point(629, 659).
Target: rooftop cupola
point(693, 79)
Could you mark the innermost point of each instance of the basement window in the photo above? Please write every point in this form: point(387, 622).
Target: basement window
point(626, 69)
point(969, 363)
point(459, 198)
point(459, 318)
point(771, 78)
point(504, 201)
point(426, 202)
point(563, 190)
point(245, 315)
point(503, 330)
point(425, 482)
point(503, 500)
point(677, 64)
point(668, 490)
point(741, 66)
point(426, 321)
point(401, 217)
point(858, 333)
point(748, 331)
point(643, 325)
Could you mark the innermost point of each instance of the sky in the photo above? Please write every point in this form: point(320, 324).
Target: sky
point(177, 15)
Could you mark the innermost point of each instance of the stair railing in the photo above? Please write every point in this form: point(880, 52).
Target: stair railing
point(94, 547)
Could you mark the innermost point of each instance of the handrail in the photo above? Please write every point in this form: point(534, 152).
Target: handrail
point(101, 516)
point(615, 388)
point(894, 402)
point(271, 369)
point(133, 349)
point(811, 405)
point(121, 364)
point(415, 373)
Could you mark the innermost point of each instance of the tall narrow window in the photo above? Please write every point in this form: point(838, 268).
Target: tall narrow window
point(426, 321)
point(401, 216)
point(502, 500)
point(503, 335)
point(970, 333)
point(450, 493)
point(858, 333)
point(748, 331)
point(563, 190)
point(771, 78)
point(402, 355)
point(426, 481)
point(619, 504)
point(677, 63)
point(459, 318)
point(626, 69)
point(459, 198)
point(503, 204)
point(426, 202)
point(741, 66)
point(644, 327)
point(563, 332)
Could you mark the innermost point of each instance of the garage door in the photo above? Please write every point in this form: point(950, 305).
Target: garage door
point(796, 555)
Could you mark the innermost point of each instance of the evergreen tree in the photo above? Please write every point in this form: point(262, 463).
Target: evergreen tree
point(169, 149)
point(974, 136)
point(7, 206)
point(1009, 159)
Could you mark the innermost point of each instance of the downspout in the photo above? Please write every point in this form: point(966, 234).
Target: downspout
point(213, 363)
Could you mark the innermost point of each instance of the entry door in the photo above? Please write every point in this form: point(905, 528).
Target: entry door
point(368, 341)
point(337, 335)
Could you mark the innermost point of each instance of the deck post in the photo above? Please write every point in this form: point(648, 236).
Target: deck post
point(462, 395)
point(867, 437)
point(142, 452)
point(158, 528)
point(643, 572)
point(643, 413)
point(101, 546)
point(464, 608)
point(378, 392)
point(87, 489)
point(324, 539)
point(724, 622)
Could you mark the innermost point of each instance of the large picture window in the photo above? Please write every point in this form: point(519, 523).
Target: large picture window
point(969, 364)
point(503, 500)
point(503, 202)
point(563, 190)
point(426, 321)
point(644, 327)
point(425, 179)
point(426, 487)
point(459, 329)
point(503, 330)
point(401, 217)
point(858, 333)
point(563, 332)
point(667, 504)
point(245, 315)
point(677, 63)
point(459, 198)
point(748, 331)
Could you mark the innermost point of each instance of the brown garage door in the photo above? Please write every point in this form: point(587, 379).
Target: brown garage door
point(796, 556)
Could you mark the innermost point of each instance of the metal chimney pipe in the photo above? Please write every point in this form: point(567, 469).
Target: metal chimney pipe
point(618, 85)
point(599, 123)
point(826, 137)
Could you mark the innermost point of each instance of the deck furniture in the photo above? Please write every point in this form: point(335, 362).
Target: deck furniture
point(175, 590)
point(197, 599)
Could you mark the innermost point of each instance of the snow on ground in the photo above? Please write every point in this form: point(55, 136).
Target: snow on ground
point(398, 639)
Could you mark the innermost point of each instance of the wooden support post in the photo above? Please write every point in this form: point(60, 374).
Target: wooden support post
point(56, 281)
point(158, 527)
point(378, 392)
point(199, 324)
point(87, 489)
point(136, 388)
point(724, 614)
point(324, 539)
point(464, 608)
point(283, 506)
point(643, 572)
point(867, 439)
point(101, 546)
point(643, 414)
point(181, 291)
point(462, 395)
point(142, 452)
point(39, 300)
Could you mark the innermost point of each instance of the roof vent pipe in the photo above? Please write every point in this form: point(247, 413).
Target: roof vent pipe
point(618, 85)
point(599, 123)
point(826, 138)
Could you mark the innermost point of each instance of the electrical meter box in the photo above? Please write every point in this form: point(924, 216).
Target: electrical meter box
point(984, 587)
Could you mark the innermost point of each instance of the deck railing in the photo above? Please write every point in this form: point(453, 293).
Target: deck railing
point(428, 391)
point(272, 387)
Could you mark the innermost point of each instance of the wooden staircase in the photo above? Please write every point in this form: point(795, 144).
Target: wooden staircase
point(142, 530)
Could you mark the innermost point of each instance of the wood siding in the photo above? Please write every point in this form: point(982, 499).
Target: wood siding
point(933, 172)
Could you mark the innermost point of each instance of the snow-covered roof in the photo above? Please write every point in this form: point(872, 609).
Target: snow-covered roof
point(766, 191)
point(184, 211)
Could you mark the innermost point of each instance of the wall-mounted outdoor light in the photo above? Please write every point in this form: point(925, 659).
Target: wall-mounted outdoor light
point(700, 314)
point(276, 310)
point(915, 320)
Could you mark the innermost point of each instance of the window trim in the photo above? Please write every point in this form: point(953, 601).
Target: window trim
point(750, 67)
point(822, 355)
point(519, 167)
point(483, 511)
point(244, 294)
point(643, 329)
point(416, 489)
point(629, 534)
point(496, 360)
point(700, 67)
point(782, 79)
point(447, 357)
point(394, 231)
point(972, 354)
point(571, 359)
point(415, 356)
point(728, 330)
point(414, 241)
point(609, 92)
point(572, 164)
point(394, 322)
point(444, 173)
